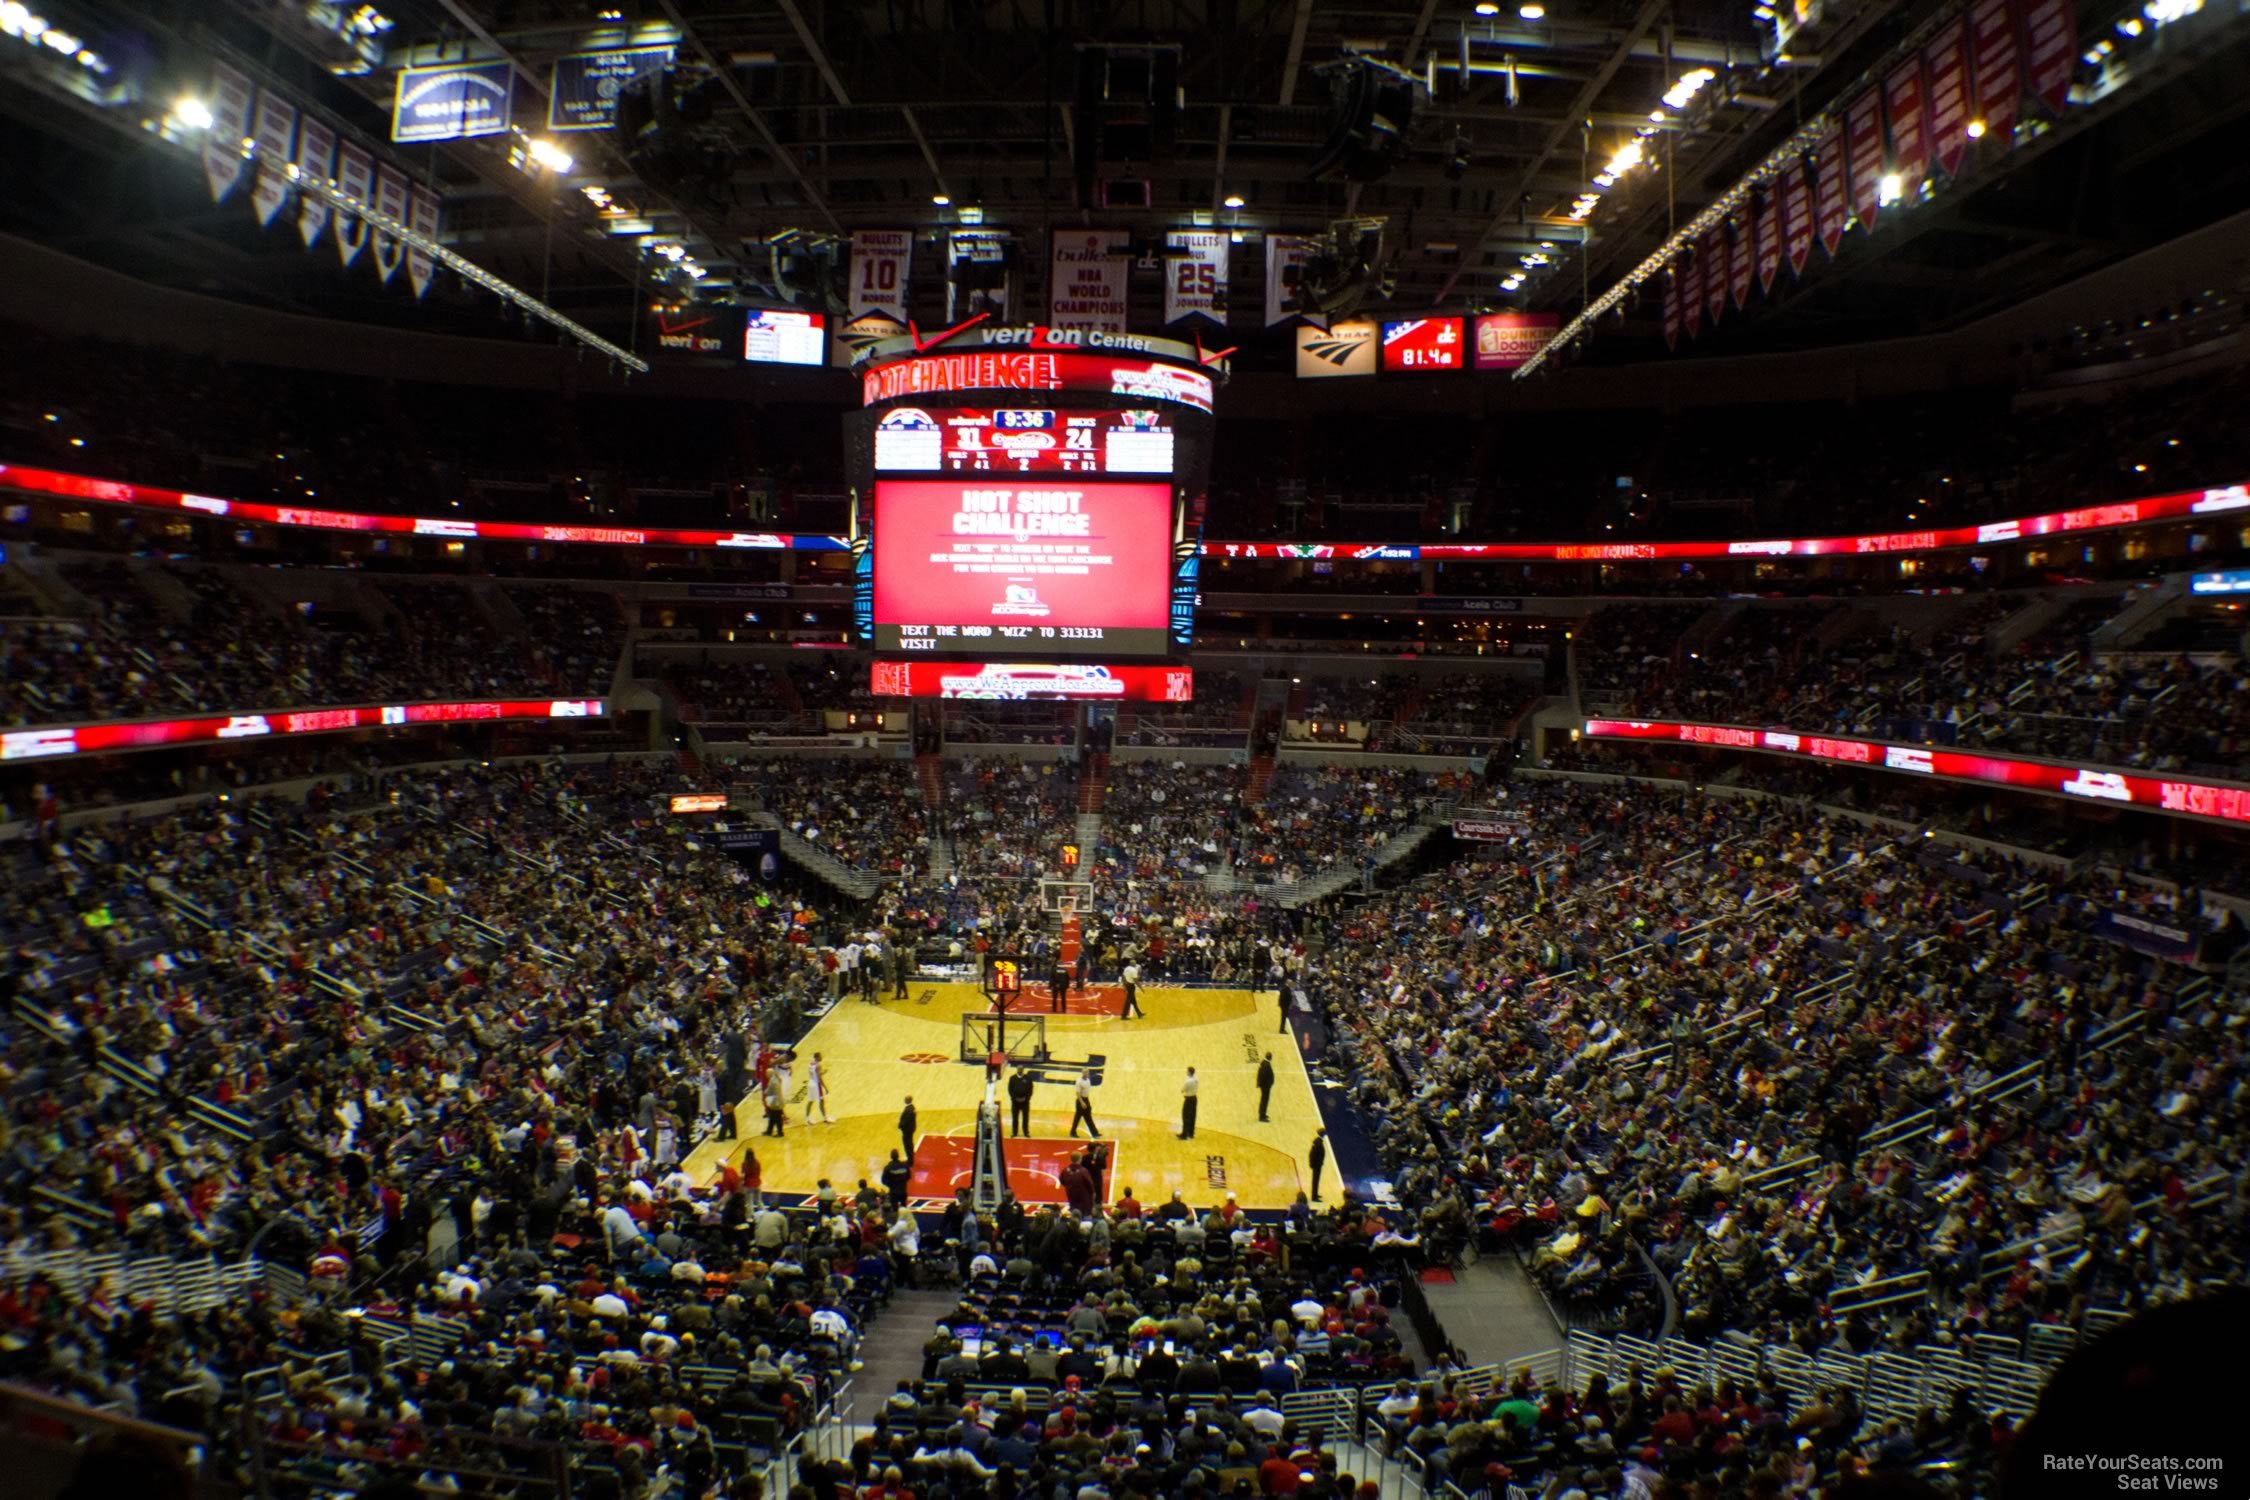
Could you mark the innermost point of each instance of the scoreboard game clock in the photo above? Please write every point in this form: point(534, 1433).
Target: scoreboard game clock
point(1025, 499)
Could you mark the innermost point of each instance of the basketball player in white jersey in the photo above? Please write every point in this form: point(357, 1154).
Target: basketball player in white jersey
point(816, 1091)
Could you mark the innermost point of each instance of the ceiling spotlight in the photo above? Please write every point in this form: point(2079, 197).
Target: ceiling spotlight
point(193, 113)
point(1533, 11)
point(549, 155)
point(1488, 10)
point(942, 200)
point(1976, 130)
point(1233, 200)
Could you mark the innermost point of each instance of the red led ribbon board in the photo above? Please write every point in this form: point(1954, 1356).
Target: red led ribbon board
point(148, 734)
point(2179, 796)
point(2185, 505)
point(970, 681)
point(118, 492)
point(1135, 376)
point(1050, 569)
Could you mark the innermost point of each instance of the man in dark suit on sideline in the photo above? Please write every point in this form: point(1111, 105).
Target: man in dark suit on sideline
point(1019, 1103)
point(1265, 1086)
point(906, 1128)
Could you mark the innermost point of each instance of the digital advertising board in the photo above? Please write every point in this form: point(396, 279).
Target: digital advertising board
point(1134, 377)
point(1023, 440)
point(2175, 795)
point(1415, 346)
point(777, 336)
point(1049, 568)
point(1005, 682)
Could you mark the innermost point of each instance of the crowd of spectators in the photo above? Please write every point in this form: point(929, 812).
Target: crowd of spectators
point(1169, 820)
point(132, 658)
point(1677, 1051)
point(1642, 1044)
point(461, 1089)
point(867, 813)
point(1009, 818)
point(1314, 818)
point(2055, 693)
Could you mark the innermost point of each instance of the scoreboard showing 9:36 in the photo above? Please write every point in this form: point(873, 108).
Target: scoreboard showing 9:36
point(1022, 440)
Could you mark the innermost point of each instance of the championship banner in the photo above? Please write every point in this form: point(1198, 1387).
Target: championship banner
point(1910, 136)
point(1691, 294)
point(1768, 220)
point(1992, 42)
point(1949, 96)
point(455, 102)
point(223, 163)
point(1797, 216)
point(1195, 275)
point(1284, 252)
point(586, 85)
point(1672, 305)
point(422, 218)
point(316, 162)
point(1714, 258)
point(1738, 261)
point(2050, 49)
point(1863, 134)
point(977, 278)
point(880, 258)
point(1086, 272)
point(1833, 204)
point(390, 201)
point(275, 135)
point(355, 179)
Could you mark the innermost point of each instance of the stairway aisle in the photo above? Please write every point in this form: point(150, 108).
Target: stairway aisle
point(893, 1350)
point(1493, 1312)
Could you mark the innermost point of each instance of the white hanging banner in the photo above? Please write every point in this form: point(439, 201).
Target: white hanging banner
point(274, 136)
point(977, 278)
point(1284, 252)
point(316, 163)
point(1195, 275)
point(880, 258)
point(355, 179)
point(1086, 279)
point(390, 201)
point(223, 163)
point(422, 218)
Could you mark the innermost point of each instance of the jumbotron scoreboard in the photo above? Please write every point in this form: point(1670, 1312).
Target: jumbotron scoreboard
point(1028, 508)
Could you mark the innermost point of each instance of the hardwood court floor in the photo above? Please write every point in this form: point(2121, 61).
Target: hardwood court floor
point(876, 1055)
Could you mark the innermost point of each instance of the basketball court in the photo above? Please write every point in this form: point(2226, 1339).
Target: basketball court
point(875, 1056)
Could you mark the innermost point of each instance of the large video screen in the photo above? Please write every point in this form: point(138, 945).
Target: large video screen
point(774, 336)
point(1054, 568)
point(1022, 440)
